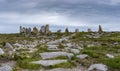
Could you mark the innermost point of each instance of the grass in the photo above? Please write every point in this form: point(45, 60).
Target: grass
point(25, 64)
point(112, 63)
point(63, 65)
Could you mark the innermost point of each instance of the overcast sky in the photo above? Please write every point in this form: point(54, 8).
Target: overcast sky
point(59, 14)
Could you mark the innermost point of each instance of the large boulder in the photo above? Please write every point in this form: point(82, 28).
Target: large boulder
point(98, 67)
point(1, 51)
point(6, 68)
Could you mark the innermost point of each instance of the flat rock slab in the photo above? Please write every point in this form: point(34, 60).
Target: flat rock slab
point(49, 62)
point(75, 51)
point(98, 67)
point(6, 68)
point(48, 55)
point(82, 56)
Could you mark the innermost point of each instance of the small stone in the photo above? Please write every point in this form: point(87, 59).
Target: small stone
point(109, 56)
point(82, 56)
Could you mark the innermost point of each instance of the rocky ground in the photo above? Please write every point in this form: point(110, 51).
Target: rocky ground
point(72, 52)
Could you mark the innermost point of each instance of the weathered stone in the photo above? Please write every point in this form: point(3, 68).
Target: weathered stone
point(52, 47)
point(75, 51)
point(89, 30)
point(100, 29)
point(76, 30)
point(8, 45)
point(25, 30)
point(82, 56)
point(6, 68)
point(98, 67)
point(109, 56)
point(42, 30)
point(59, 31)
point(1, 51)
point(66, 30)
point(49, 62)
point(48, 55)
point(47, 31)
point(35, 30)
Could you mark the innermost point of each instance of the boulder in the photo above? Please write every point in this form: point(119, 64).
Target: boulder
point(98, 67)
point(8, 45)
point(1, 51)
point(6, 68)
point(82, 56)
point(49, 62)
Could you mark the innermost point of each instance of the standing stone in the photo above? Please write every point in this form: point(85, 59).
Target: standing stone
point(42, 30)
point(89, 30)
point(21, 29)
point(47, 29)
point(76, 30)
point(29, 30)
point(35, 30)
point(59, 31)
point(100, 29)
point(66, 30)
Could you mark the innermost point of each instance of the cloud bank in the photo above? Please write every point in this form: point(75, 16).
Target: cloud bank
point(65, 13)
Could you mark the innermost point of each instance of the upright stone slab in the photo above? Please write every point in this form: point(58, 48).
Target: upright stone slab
point(100, 30)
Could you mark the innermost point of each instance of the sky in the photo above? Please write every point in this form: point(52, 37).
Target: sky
point(59, 14)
